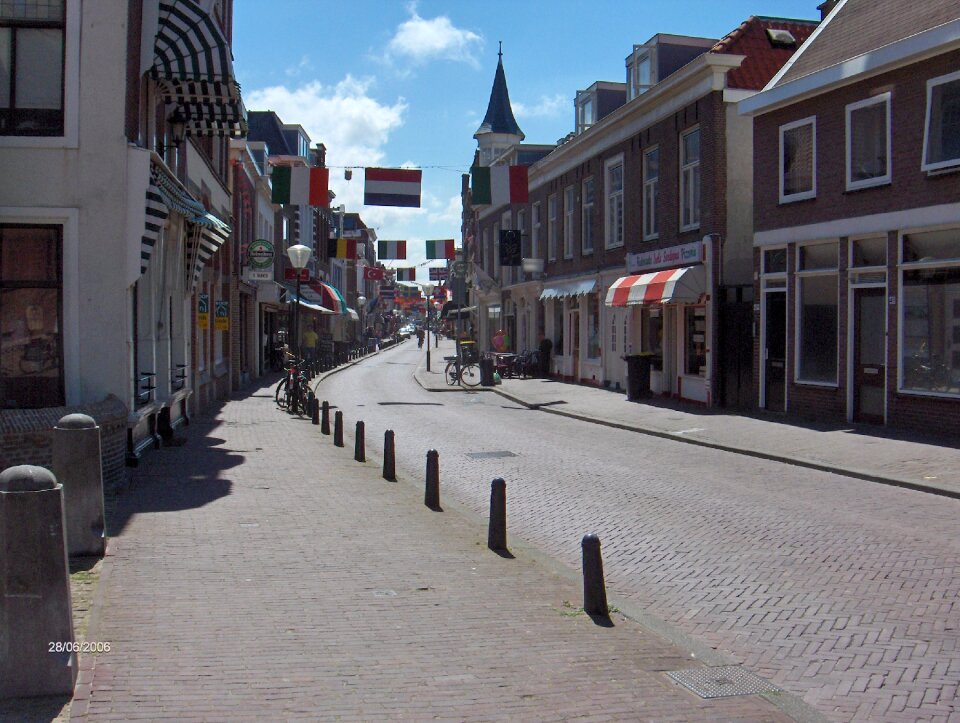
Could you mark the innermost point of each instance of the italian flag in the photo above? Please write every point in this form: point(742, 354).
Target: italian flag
point(441, 249)
point(391, 249)
point(301, 186)
point(407, 274)
point(499, 185)
point(342, 248)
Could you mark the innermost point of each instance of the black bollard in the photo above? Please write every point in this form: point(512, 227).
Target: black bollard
point(497, 531)
point(325, 418)
point(315, 411)
point(338, 428)
point(389, 461)
point(431, 495)
point(359, 447)
point(310, 397)
point(594, 591)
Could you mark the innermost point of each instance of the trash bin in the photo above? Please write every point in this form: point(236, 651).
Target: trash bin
point(486, 372)
point(638, 375)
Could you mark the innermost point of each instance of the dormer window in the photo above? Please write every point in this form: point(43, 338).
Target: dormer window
point(641, 72)
point(586, 111)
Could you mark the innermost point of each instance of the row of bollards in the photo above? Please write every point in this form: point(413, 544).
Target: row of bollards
point(594, 590)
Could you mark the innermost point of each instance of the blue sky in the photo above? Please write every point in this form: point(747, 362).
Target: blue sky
point(385, 83)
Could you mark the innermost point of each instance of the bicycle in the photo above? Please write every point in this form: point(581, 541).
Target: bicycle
point(291, 393)
point(467, 375)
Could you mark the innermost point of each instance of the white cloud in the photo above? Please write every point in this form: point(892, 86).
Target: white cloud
point(547, 107)
point(422, 40)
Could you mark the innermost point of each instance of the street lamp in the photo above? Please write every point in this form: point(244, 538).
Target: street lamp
point(299, 256)
point(362, 303)
point(428, 292)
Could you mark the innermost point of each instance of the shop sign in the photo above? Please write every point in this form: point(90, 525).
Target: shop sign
point(260, 260)
point(203, 311)
point(672, 256)
point(221, 320)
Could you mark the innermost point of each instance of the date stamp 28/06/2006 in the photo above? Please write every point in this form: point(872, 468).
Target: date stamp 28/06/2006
point(70, 646)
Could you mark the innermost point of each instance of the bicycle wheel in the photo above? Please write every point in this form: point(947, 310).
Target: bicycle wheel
point(451, 373)
point(281, 394)
point(302, 401)
point(470, 375)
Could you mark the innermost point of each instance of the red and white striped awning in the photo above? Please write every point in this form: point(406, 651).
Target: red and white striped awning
point(671, 286)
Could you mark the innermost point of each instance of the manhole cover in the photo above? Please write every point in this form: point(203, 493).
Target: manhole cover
point(490, 455)
point(722, 681)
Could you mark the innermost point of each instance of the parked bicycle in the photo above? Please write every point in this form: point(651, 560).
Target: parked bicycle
point(293, 389)
point(467, 375)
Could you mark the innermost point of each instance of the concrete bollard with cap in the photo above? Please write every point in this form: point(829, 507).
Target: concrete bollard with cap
point(77, 466)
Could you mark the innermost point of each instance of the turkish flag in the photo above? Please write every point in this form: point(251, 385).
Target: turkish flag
point(372, 273)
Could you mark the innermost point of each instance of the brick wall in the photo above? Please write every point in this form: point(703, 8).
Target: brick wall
point(26, 436)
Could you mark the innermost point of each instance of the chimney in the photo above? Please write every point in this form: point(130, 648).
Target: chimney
point(825, 7)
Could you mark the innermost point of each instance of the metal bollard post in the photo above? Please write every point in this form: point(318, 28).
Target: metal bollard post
point(325, 418)
point(76, 465)
point(594, 591)
point(389, 460)
point(338, 428)
point(35, 604)
point(497, 530)
point(359, 446)
point(311, 397)
point(431, 495)
point(315, 412)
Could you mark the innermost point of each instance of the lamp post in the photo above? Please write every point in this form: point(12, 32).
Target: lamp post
point(428, 292)
point(299, 256)
point(362, 303)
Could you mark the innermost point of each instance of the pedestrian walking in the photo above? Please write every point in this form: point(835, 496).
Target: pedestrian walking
point(420, 336)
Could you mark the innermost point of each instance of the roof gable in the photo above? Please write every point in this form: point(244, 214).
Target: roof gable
point(856, 27)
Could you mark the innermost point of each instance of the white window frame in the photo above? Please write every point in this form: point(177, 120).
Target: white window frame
point(854, 185)
point(613, 236)
point(569, 210)
point(535, 231)
point(586, 215)
point(803, 195)
point(798, 309)
point(651, 192)
point(926, 164)
point(689, 176)
point(552, 227)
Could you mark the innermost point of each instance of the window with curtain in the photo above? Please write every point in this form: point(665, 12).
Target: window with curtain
point(941, 147)
point(651, 192)
point(31, 323)
point(690, 180)
point(614, 194)
point(798, 157)
point(868, 142)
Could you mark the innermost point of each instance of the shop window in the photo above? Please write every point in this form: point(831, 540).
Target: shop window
point(557, 328)
point(651, 333)
point(869, 252)
point(31, 67)
point(614, 196)
point(798, 158)
point(696, 341)
point(586, 218)
point(817, 315)
point(941, 143)
point(868, 142)
point(651, 192)
point(930, 313)
point(31, 323)
point(593, 326)
point(690, 180)
point(569, 200)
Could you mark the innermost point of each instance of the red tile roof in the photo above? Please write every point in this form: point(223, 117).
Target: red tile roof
point(763, 59)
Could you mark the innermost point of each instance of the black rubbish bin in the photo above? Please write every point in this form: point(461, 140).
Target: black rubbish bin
point(638, 376)
point(486, 372)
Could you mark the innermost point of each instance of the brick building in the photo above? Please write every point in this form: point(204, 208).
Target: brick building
point(857, 224)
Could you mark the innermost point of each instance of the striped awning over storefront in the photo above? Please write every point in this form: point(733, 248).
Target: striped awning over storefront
point(568, 288)
point(672, 286)
point(156, 214)
point(330, 295)
point(193, 67)
point(204, 239)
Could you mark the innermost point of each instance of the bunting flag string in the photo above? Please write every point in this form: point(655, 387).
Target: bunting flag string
point(444, 249)
point(391, 249)
point(342, 248)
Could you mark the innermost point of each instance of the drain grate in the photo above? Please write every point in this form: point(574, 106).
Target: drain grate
point(490, 455)
point(722, 681)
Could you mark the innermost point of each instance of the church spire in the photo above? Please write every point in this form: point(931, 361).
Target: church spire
point(499, 117)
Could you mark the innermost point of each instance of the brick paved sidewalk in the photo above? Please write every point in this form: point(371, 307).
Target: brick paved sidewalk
point(260, 573)
point(915, 461)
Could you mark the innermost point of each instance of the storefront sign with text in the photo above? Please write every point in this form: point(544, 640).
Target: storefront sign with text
point(203, 311)
point(685, 255)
